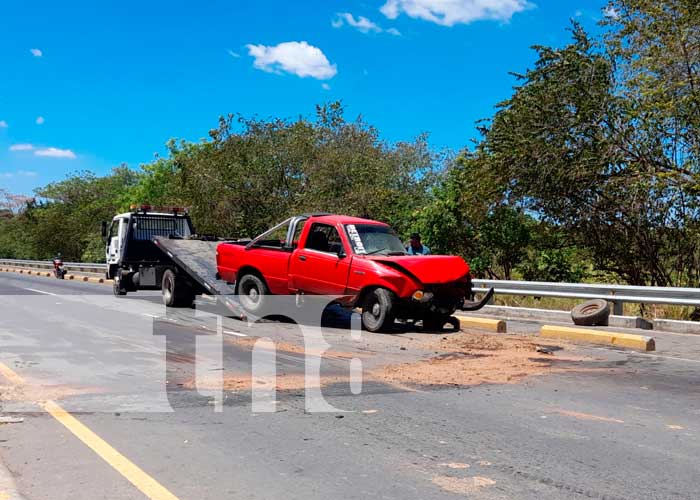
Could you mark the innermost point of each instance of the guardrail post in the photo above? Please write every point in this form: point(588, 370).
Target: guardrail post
point(618, 309)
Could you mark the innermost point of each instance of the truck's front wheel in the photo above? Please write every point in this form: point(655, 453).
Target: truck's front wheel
point(118, 287)
point(378, 312)
point(251, 293)
point(176, 292)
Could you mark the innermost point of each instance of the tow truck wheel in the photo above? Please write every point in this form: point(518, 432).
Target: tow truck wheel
point(117, 287)
point(251, 293)
point(176, 292)
point(378, 310)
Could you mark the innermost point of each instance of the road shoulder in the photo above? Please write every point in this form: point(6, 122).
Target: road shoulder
point(8, 488)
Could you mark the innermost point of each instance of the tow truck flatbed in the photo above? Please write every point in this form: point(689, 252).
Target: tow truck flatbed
point(197, 258)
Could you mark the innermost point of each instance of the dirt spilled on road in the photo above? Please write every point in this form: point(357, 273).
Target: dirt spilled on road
point(465, 359)
point(34, 393)
point(463, 485)
point(244, 382)
point(460, 359)
point(286, 347)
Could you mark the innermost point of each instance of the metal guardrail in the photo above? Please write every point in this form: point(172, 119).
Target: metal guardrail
point(77, 267)
point(617, 294)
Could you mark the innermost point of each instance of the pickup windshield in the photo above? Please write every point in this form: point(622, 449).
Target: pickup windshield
point(374, 239)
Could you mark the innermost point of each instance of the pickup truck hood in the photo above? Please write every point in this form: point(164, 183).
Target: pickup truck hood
point(429, 269)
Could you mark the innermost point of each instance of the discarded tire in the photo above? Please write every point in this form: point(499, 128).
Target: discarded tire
point(592, 313)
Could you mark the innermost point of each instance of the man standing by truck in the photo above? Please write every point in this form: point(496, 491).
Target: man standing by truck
point(415, 247)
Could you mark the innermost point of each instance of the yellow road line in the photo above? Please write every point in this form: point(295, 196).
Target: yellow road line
point(10, 375)
point(145, 483)
point(148, 486)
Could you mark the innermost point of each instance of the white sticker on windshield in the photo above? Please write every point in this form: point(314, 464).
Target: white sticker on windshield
point(355, 238)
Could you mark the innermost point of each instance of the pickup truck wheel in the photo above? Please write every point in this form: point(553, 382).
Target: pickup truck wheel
point(378, 310)
point(251, 293)
point(176, 291)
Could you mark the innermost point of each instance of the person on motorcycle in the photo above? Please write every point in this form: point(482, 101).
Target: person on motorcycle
point(58, 268)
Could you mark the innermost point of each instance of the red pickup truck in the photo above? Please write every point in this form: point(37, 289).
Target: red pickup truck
point(360, 262)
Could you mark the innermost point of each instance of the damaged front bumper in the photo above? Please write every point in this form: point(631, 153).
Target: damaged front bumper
point(475, 305)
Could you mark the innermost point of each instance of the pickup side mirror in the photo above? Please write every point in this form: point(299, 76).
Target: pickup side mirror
point(341, 253)
point(104, 229)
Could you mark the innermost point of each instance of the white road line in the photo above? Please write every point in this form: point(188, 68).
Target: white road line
point(41, 291)
point(229, 332)
point(669, 357)
point(674, 358)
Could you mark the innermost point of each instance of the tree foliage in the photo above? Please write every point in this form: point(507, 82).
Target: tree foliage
point(590, 168)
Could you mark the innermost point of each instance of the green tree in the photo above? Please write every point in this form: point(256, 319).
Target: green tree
point(560, 147)
point(253, 173)
point(67, 215)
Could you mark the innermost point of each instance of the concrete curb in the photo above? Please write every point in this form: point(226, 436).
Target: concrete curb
point(495, 325)
point(8, 489)
point(617, 339)
point(526, 313)
point(75, 277)
point(676, 326)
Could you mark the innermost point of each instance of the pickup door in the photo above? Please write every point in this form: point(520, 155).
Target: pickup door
point(322, 265)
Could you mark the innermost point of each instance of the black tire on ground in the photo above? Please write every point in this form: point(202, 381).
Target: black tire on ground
point(117, 286)
point(252, 292)
point(176, 291)
point(378, 310)
point(437, 322)
point(592, 313)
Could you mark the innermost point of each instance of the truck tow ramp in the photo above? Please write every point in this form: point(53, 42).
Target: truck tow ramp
point(197, 258)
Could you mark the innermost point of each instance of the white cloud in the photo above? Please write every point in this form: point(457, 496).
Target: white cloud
point(451, 12)
point(55, 153)
point(3, 124)
point(611, 12)
point(40, 120)
point(36, 52)
point(361, 24)
point(297, 58)
point(325, 86)
point(20, 173)
point(21, 147)
point(233, 54)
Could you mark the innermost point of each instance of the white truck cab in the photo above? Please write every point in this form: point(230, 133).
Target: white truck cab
point(133, 260)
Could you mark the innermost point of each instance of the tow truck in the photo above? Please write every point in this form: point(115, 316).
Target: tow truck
point(156, 248)
point(358, 262)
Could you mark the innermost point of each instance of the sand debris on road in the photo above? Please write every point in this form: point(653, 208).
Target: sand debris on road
point(33, 393)
point(462, 485)
point(465, 359)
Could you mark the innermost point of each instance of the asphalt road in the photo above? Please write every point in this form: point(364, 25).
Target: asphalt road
point(137, 378)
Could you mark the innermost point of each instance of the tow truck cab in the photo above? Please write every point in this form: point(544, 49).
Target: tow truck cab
point(133, 261)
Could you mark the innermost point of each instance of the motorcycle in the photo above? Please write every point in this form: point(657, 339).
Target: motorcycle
point(58, 270)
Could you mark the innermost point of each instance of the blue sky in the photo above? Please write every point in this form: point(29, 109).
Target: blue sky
point(90, 85)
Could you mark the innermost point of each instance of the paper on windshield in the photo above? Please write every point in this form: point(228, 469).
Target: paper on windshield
point(355, 239)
